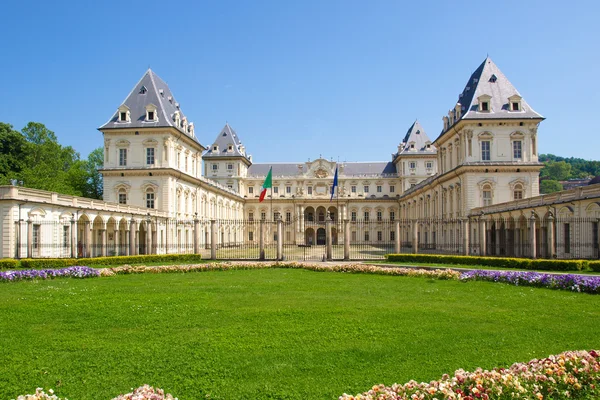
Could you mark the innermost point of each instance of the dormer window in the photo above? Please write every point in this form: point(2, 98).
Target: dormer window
point(493, 78)
point(143, 90)
point(124, 114)
point(151, 113)
point(177, 119)
point(514, 103)
point(215, 148)
point(484, 103)
point(230, 148)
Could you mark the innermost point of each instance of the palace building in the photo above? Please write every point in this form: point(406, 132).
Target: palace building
point(165, 192)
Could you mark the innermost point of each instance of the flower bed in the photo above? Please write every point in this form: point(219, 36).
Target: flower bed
point(29, 274)
point(569, 375)
point(574, 283)
point(145, 392)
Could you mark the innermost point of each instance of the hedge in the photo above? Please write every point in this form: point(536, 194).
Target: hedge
point(595, 266)
point(503, 262)
point(8, 263)
point(41, 263)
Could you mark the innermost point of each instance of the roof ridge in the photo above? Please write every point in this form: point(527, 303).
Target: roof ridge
point(158, 96)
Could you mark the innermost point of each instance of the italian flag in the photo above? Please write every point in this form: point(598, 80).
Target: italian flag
point(267, 185)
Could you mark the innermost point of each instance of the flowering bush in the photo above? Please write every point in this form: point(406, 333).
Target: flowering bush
point(28, 274)
point(146, 392)
point(575, 283)
point(40, 395)
point(572, 375)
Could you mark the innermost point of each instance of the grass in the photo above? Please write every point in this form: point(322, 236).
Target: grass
point(275, 333)
point(484, 267)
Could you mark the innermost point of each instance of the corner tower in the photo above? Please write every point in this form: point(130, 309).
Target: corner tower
point(416, 159)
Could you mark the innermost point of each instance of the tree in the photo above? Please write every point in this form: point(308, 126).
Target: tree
point(95, 184)
point(13, 151)
point(548, 186)
point(557, 170)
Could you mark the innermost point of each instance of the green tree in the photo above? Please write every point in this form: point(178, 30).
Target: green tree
point(557, 170)
point(548, 186)
point(13, 152)
point(95, 184)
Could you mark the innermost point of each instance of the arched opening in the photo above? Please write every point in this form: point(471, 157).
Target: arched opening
point(321, 214)
point(141, 238)
point(321, 237)
point(309, 237)
point(309, 214)
point(332, 212)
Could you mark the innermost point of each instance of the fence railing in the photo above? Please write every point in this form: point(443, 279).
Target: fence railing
point(304, 239)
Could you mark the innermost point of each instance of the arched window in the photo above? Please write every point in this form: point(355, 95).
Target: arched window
point(518, 192)
point(150, 198)
point(487, 195)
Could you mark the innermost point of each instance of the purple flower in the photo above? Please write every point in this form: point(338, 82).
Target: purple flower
point(29, 274)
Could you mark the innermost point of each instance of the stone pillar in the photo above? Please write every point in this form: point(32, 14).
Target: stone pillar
point(482, 237)
point(466, 233)
point(398, 233)
point(132, 229)
point(196, 236)
point(532, 238)
point(346, 239)
point(550, 235)
point(498, 231)
point(73, 239)
point(415, 236)
point(328, 249)
point(103, 239)
point(148, 238)
point(213, 239)
point(29, 238)
point(261, 240)
point(87, 247)
point(126, 236)
point(279, 239)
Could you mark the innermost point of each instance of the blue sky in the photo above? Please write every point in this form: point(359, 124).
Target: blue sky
point(342, 79)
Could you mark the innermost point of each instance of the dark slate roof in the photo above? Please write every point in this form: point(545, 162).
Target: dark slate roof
point(226, 137)
point(488, 79)
point(156, 92)
point(416, 134)
point(349, 169)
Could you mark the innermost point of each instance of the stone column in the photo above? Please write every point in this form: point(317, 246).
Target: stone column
point(261, 240)
point(346, 239)
point(328, 249)
point(103, 239)
point(279, 239)
point(398, 233)
point(466, 233)
point(532, 238)
point(73, 239)
point(550, 235)
point(29, 238)
point(87, 247)
point(213, 239)
point(132, 229)
point(415, 236)
point(482, 237)
point(126, 241)
point(196, 236)
point(148, 238)
point(498, 231)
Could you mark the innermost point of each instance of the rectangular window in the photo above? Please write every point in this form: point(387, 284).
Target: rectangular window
point(288, 189)
point(392, 235)
point(485, 106)
point(392, 216)
point(518, 194)
point(567, 237)
point(179, 160)
point(485, 150)
point(276, 216)
point(263, 216)
point(288, 216)
point(122, 198)
point(251, 216)
point(251, 236)
point(288, 237)
point(353, 236)
point(36, 237)
point(230, 167)
point(366, 189)
point(515, 106)
point(309, 190)
point(366, 216)
point(379, 215)
point(487, 198)
point(366, 236)
point(150, 115)
point(429, 165)
point(122, 157)
point(353, 216)
point(413, 165)
point(149, 200)
point(275, 189)
point(379, 236)
point(215, 167)
point(250, 189)
point(123, 116)
point(392, 188)
point(379, 189)
point(353, 189)
point(186, 164)
point(66, 236)
point(150, 156)
point(517, 150)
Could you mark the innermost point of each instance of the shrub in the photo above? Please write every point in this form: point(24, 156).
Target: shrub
point(502, 262)
point(594, 265)
point(47, 263)
point(8, 263)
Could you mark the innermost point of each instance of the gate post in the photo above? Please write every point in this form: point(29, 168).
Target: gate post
point(279, 239)
point(415, 237)
point(261, 240)
point(103, 237)
point(466, 234)
point(550, 235)
point(397, 237)
point(346, 239)
point(482, 237)
point(532, 236)
point(29, 238)
point(213, 239)
point(328, 238)
point(196, 235)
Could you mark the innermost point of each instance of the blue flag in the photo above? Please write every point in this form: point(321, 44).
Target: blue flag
point(335, 183)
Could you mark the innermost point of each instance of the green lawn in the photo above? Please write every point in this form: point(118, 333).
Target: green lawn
point(273, 333)
point(485, 267)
